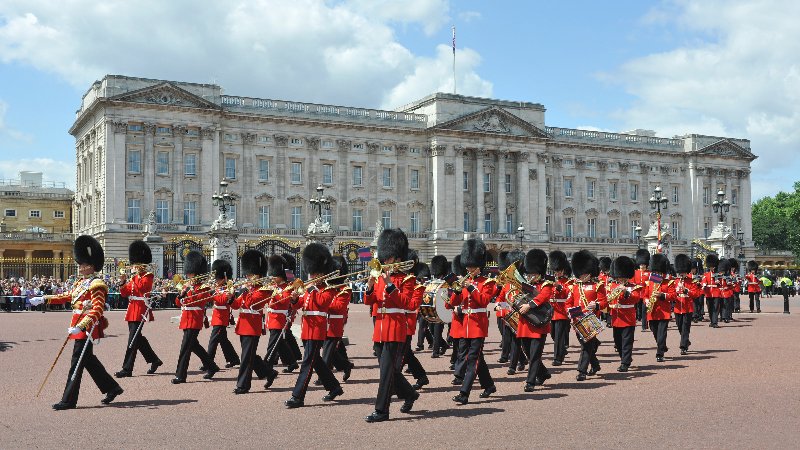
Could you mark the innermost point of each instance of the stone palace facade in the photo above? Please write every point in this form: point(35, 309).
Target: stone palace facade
point(443, 168)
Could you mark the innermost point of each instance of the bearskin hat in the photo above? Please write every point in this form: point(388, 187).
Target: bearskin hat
point(605, 264)
point(734, 264)
point(623, 267)
point(659, 263)
point(712, 261)
point(697, 265)
point(88, 251)
point(502, 260)
point(473, 253)
point(276, 266)
point(392, 243)
point(422, 271)
point(340, 265)
point(558, 261)
point(317, 258)
point(536, 262)
point(642, 257)
point(412, 255)
point(456, 266)
point(222, 269)
point(439, 266)
point(254, 263)
point(683, 264)
point(291, 262)
point(724, 266)
point(584, 262)
point(195, 263)
point(752, 266)
point(139, 253)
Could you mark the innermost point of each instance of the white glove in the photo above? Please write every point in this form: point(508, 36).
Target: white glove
point(36, 301)
point(74, 330)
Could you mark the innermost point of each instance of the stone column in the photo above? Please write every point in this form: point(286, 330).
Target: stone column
point(439, 188)
point(345, 181)
point(501, 191)
point(457, 185)
point(148, 168)
point(117, 180)
point(480, 155)
point(745, 202)
point(281, 179)
point(523, 191)
point(156, 244)
point(223, 242)
point(541, 207)
point(179, 131)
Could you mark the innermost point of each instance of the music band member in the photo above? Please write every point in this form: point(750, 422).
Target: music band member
point(711, 289)
point(590, 296)
point(518, 355)
point(699, 302)
point(623, 298)
point(409, 358)
point(250, 325)
point(686, 291)
point(192, 302)
point(439, 268)
point(288, 336)
point(137, 290)
point(502, 309)
point(533, 337)
point(456, 332)
point(88, 299)
point(392, 293)
point(279, 311)
point(642, 275)
point(315, 303)
point(332, 354)
point(221, 316)
point(753, 286)
point(560, 325)
point(470, 303)
point(605, 270)
point(658, 294)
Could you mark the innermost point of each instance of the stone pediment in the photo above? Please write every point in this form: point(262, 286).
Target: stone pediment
point(165, 94)
point(265, 197)
point(727, 149)
point(493, 120)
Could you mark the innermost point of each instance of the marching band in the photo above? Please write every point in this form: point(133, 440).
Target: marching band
point(534, 295)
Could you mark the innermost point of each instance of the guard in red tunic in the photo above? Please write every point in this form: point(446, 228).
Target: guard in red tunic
point(279, 310)
point(332, 354)
point(137, 290)
point(623, 297)
point(533, 337)
point(560, 326)
point(605, 270)
point(730, 275)
point(457, 324)
point(711, 285)
point(518, 354)
point(393, 294)
point(192, 302)
point(88, 298)
point(658, 294)
point(753, 285)
point(410, 359)
point(588, 293)
point(686, 291)
point(221, 316)
point(470, 303)
point(503, 309)
point(697, 277)
point(315, 304)
point(439, 268)
point(251, 321)
point(289, 338)
point(641, 277)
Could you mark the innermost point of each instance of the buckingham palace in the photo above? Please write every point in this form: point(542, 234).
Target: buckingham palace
point(442, 168)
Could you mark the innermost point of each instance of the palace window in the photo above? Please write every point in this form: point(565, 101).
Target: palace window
point(327, 216)
point(387, 177)
point(414, 150)
point(297, 216)
point(135, 128)
point(35, 213)
point(263, 216)
point(612, 228)
point(487, 182)
point(231, 212)
point(357, 215)
point(190, 213)
point(358, 146)
point(547, 224)
point(634, 192)
point(10, 213)
point(568, 227)
point(263, 139)
point(734, 197)
point(508, 183)
point(414, 179)
point(567, 187)
point(297, 173)
point(134, 210)
point(675, 196)
point(612, 190)
point(590, 184)
point(296, 141)
point(386, 219)
point(163, 130)
point(327, 144)
point(487, 223)
point(547, 186)
point(134, 161)
point(58, 214)
point(466, 222)
point(591, 227)
point(509, 223)
point(230, 168)
point(634, 225)
point(162, 163)
point(387, 148)
point(415, 222)
point(465, 182)
point(706, 196)
point(190, 164)
point(705, 229)
point(162, 211)
point(263, 170)
point(327, 174)
point(358, 175)
point(676, 230)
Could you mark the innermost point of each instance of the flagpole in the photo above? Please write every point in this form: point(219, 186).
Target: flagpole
point(454, 59)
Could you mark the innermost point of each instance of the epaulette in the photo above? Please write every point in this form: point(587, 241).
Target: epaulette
point(97, 283)
point(408, 277)
point(547, 282)
point(328, 287)
point(490, 280)
point(266, 288)
point(420, 286)
point(346, 289)
point(148, 273)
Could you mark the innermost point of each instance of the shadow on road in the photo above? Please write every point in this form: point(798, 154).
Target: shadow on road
point(152, 404)
point(6, 345)
point(630, 375)
point(424, 414)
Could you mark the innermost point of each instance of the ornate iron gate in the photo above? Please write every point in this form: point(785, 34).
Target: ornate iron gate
point(175, 251)
point(349, 249)
point(272, 245)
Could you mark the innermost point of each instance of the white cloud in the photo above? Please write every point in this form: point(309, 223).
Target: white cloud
point(52, 170)
point(469, 16)
point(306, 50)
point(10, 132)
point(738, 75)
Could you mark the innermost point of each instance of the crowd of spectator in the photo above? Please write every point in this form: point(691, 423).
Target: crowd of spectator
point(16, 292)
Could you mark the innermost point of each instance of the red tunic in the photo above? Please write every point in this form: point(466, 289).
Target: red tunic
point(473, 302)
point(725, 288)
point(710, 285)
point(279, 307)
point(753, 284)
point(193, 307)
point(559, 298)
point(251, 315)
point(88, 297)
point(337, 313)
point(392, 302)
point(641, 277)
point(583, 293)
point(525, 329)
point(502, 302)
point(221, 315)
point(622, 307)
point(315, 303)
point(661, 310)
point(413, 308)
point(686, 290)
point(137, 290)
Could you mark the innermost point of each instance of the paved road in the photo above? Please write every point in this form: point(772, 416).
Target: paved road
point(736, 389)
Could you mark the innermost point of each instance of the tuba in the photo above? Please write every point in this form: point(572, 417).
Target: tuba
point(537, 315)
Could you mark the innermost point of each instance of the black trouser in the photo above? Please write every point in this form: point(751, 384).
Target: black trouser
point(282, 350)
point(659, 329)
point(291, 341)
point(104, 381)
point(684, 324)
point(390, 358)
point(417, 371)
point(643, 309)
point(519, 352)
point(333, 356)
point(712, 303)
point(588, 355)
point(250, 363)
point(439, 343)
point(454, 356)
point(471, 351)
point(698, 308)
point(141, 344)
point(737, 302)
point(535, 348)
point(423, 334)
point(313, 361)
point(785, 301)
point(560, 333)
point(219, 336)
point(506, 334)
point(755, 297)
point(190, 345)
point(727, 308)
point(623, 340)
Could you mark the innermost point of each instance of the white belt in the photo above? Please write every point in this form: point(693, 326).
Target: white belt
point(133, 297)
point(249, 311)
point(411, 311)
point(391, 310)
point(503, 305)
point(191, 308)
point(77, 311)
point(336, 316)
point(220, 306)
point(474, 310)
point(278, 311)
point(315, 313)
point(625, 306)
point(558, 300)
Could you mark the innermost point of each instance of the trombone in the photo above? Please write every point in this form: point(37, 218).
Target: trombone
point(128, 268)
point(374, 270)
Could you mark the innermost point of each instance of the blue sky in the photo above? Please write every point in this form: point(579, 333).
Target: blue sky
point(719, 67)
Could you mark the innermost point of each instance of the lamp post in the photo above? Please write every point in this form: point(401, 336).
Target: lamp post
point(658, 202)
point(320, 201)
point(223, 199)
point(520, 234)
point(637, 235)
point(740, 235)
point(721, 205)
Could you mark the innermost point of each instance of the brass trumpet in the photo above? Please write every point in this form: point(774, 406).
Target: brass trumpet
point(130, 268)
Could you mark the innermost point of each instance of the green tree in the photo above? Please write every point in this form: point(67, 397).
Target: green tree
point(776, 221)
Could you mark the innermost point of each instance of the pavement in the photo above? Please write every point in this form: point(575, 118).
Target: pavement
point(737, 388)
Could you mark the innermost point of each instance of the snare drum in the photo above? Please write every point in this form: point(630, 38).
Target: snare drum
point(588, 326)
point(512, 320)
point(432, 308)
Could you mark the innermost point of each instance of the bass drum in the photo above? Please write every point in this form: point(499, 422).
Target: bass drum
point(432, 308)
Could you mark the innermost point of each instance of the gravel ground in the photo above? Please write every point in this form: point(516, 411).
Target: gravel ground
point(737, 388)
